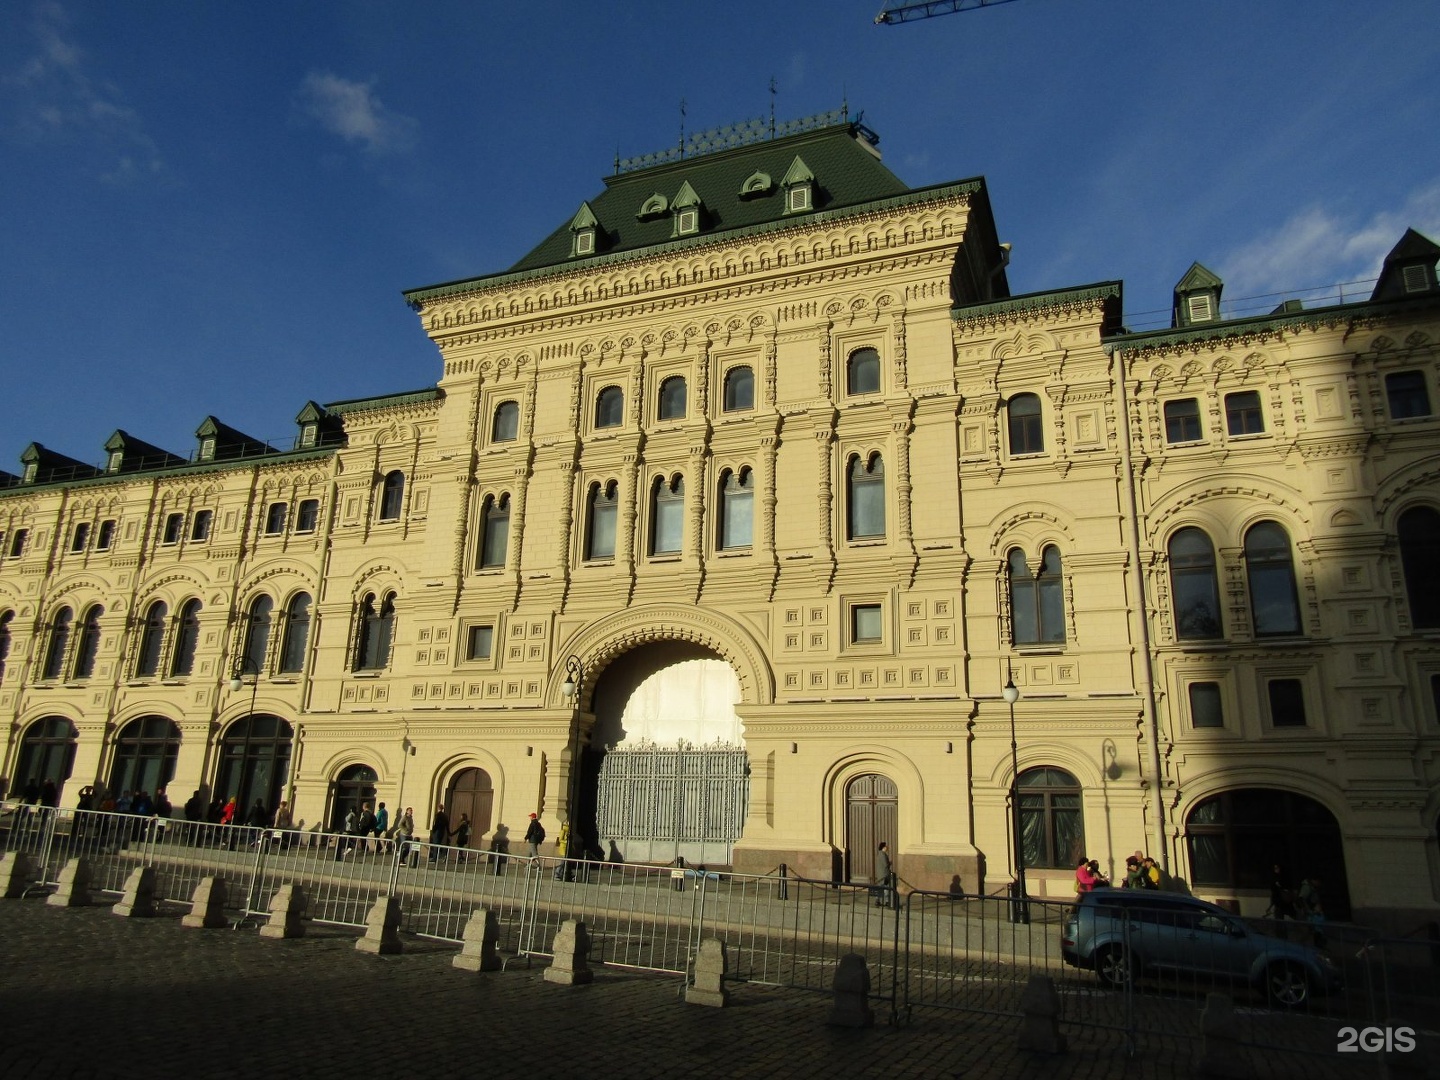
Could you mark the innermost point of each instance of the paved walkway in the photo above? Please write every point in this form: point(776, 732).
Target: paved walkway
point(85, 994)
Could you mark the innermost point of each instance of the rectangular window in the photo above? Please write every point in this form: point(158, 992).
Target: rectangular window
point(1407, 395)
point(602, 531)
point(275, 519)
point(17, 543)
point(1182, 420)
point(1205, 709)
point(307, 436)
point(585, 242)
point(1242, 413)
point(798, 198)
point(669, 524)
point(308, 516)
point(174, 525)
point(1415, 278)
point(1287, 703)
point(1201, 308)
point(80, 538)
point(688, 221)
point(478, 642)
point(207, 449)
point(200, 527)
point(106, 536)
point(865, 624)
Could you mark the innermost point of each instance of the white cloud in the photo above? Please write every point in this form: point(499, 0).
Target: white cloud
point(1320, 247)
point(352, 111)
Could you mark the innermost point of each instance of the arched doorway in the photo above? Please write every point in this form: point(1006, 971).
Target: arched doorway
point(1237, 837)
point(471, 793)
point(145, 753)
point(254, 762)
point(665, 775)
point(354, 787)
point(47, 752)
point(872, 813)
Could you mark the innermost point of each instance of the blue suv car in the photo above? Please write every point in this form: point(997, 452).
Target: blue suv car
point(1122, 934)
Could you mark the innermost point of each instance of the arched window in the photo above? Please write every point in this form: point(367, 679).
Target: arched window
point(1037, 601)
point(47, 752)
point(667, 515)
point(392, 496)
point(610, 407)
point(506, 426)
point(59, 642)
point(739, 389)
point(865, 505)
point(600, 521)
point(297, 633)
point(275, 518)
point(152, 639)
point(257, 633)
point(145, 754)
point(1025, 422)
point(377, 622)
point(1052, 831)
point(254, 762)
point(862, 372)
point(1419, 530)
point(1194, 587)
point(1270, 569)
point(672, 398)
point(6, 618)
point(737, 508)
point(89, 645)
point(187, 638)
point(494, 531)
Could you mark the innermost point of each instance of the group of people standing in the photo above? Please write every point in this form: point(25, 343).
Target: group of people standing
point(1141, 872)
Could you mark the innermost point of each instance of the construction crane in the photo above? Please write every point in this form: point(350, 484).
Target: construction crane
point(901, 12)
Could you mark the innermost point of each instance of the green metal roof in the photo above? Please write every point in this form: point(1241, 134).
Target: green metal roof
point(1100, 290)
point(384, 401)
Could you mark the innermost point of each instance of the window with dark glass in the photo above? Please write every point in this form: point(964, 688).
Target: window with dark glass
point(1287, 703)
point(255, 760)
point(392, 495)
point(1024, 419)
point(737, 508)
point(1419, 534)
point(672, 399)
point(1205, 707)
point(739, 389)
point(377, 623)
point(1270, 570)
point(1242, 413)
point(1194, 587)
point(187, 639)
point(106, 536)
point(478, 642)
point(275, 518)
point(47, 751)
point(88, 647)
point(152, 639)
point(866, 625)
point(17, 543)
point(610, 407)
point(200, 527)
point(307, 515)
point(494, 531)
point(1182, 420)
point(667, 509)
point(506, 425)
point(257, 633)
point(297, 633)
point(145, 754)
point(80, 537)
point(6, 618)
point(58, 643)
point(1037, 601)
point(174, 525)
point(865, 502)
point(600, 526)
point(1408, 395)
point(1052, 834)
point(862, 372)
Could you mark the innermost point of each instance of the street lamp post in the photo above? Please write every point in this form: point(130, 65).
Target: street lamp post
point(1020, 900)
point(244, 665)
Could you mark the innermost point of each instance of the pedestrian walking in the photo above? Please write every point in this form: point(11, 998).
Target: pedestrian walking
point(534, 837)
point(461, 834)
point(404, 832)
point(382, 821)
point(883, 887)
point(439, 831)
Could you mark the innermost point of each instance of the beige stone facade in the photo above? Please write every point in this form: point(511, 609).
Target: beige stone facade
point(885, 488)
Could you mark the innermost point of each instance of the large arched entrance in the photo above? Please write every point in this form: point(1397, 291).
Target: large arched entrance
point(254, 762)
point(872, 813)
point(145, 755)
point(47, 754)
point(665, 775)
point(471, 793)
point(352, 789)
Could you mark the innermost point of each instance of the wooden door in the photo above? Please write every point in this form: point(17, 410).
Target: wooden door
point(872, 810)
point(471, 793)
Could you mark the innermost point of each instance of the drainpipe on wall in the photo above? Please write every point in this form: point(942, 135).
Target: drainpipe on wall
point(1142, 629)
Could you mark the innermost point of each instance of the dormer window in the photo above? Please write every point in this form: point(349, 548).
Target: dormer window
point(31, 469)
point(686, 207)
point(308, 434)
point(584, 230)
point(1416, 278)
point(117, 458)
point(1200, 308)
point(797, 199)
point(655, 206)
point(756, 185)
point(1197, 298)
point(687, 222)
point(799, 185)
point(207, 449)
point(585, 242)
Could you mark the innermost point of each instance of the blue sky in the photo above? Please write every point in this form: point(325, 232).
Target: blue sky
point(213, 207)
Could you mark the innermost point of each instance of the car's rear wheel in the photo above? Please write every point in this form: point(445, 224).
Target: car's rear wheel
point(1287, 985)
point(1112, 966)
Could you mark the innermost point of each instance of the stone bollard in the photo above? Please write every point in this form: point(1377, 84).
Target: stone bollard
point(207, 905)
point(1040, 1012)
point(286, 907)
point(138, 901)
point(709, 985)
point(851, 1005)
point(1220, 1056)
point(382, 928)
point(482, 934)
point(571, 948)
point(16, 874)
point(74, 887)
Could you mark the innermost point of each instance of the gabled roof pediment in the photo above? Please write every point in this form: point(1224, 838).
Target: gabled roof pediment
point(584, 218)
point(1198, 277)
point(685, 198)
point(798, 173)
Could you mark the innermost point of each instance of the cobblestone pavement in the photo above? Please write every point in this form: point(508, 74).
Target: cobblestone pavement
point(86, 994)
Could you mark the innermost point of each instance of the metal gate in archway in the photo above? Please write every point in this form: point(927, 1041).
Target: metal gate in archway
point(658, 803)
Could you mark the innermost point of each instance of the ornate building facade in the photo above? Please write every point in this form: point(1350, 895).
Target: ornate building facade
point(736, 506)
